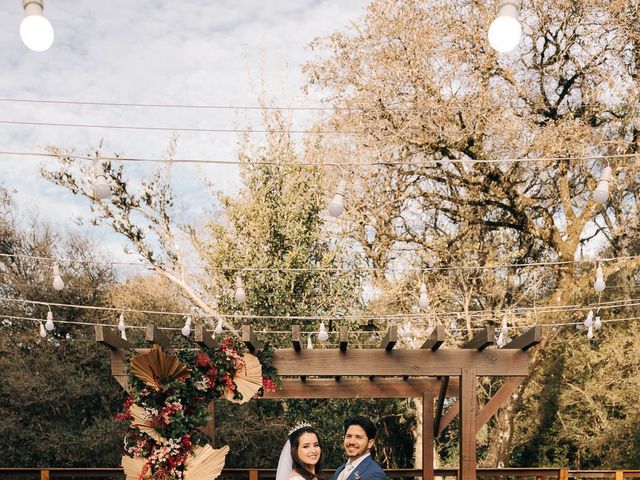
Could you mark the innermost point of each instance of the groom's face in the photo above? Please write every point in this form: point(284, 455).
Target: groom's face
point(356, 442)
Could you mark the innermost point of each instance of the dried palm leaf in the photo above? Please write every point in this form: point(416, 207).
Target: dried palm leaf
point(248, 379)
point(205, 463)
point(156, 368)
point(142, 420)
point(133, 467)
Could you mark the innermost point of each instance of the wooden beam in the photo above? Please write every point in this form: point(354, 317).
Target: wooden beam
point(390, 339)
point(110, 338)
point(344, 339)
point(368, 362)
point(118, 369)
point(295, 337)
point(249, 339)
point(359, 388)
point(444, 386)
point(468, 424)
point(203, 337)
point(436, 338)
point(451, 413)
point(427, 436)
point(497, 400)
point(528, 339)
point(154, 335)
point(483, 339)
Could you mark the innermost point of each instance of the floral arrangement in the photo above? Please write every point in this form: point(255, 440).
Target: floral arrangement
point(168, 402)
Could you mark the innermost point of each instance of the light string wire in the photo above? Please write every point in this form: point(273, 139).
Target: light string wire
point(112, 158)
point(486, 314)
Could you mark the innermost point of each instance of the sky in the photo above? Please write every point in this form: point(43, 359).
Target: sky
point(187, 52)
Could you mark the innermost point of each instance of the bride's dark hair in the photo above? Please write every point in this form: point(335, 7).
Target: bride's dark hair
point(298, 465)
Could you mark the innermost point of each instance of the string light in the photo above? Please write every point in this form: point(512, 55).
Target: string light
point(599, 284)
point(504, 329)
point(590, 332)
point(336, 206)
point(43, 331)
point(601, 193)
point(323, 336)
point(454, 324)
point(588, 322)
point(309, 343)
point(423, 301)
point(35, 30)
point(505, 31)
point(597, 323)
point(121, 325)
point(240, 296)
point(218, 329)
point(58, 283)
point(49, 325)
point(101, 188)
point(186, 330)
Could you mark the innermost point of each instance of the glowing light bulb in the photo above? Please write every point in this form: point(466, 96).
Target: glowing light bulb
point(49, 325)
point(309, 343)
point(35, 30)
point(599, 284)
point(101, 188)
point(423, 301)
point(43, 331)
point(601, 193)
point(58, 283)
point(218, 329)
point(588, 322)
point(186, 330)
point(323, 336)
point(505, 31)
point(121, 325)
point(240, 295)
point(336, 206)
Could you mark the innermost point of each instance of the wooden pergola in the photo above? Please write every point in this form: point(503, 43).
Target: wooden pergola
point(430, 373)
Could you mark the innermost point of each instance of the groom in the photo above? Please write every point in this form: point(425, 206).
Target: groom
point(359, 435)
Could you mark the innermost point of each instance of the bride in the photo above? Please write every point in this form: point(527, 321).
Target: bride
point(300, 456)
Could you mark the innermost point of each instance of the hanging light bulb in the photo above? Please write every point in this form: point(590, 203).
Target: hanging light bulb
point(49, 325)
point(186, 330)
point(423, 301)
point(35, 30)
point(121, 325)
point(123, 335)
point(101, 188)
point(43, 331)
point(336, 206)
point(590, 332)
point(218, 329)
point(505, 31)
point(58, 283)
point(454, 325)
point(599, 284)
point(309, 343)
point(501, 341)
point(323, 336)
point(504, 329)
point(597, 323)
point(588, 322)
point(406, 331)
point(240, 295)
point(601, 193)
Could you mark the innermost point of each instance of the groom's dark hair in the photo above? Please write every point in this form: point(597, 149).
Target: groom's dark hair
point(367, 425)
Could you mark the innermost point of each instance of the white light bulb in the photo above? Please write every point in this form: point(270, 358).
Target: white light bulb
point(599, 284)
point(123, 335)
point(186, 330)
point(597, 323)
point(218, 329)
point(505, 31)
point(240, 295)
point(323, 336)
point(35, 30)
point(58, 283)
point(406, 331)
point(588, 322)
point(504, 329)
point(423, 301)
point(601, 193)
point(590, 332)
point(49, 325)
point(43, 331)
point(101, 188)
point(336, 206)
point(309, 343)
point(121, 325)
point(501, 342)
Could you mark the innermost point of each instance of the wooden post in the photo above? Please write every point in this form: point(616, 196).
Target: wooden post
point(427, 436)
point(468, 424)
point(619, 475)
point(44, 474)
point(563, 474)
point(344, 339)
point(253, 474)
point(295, 337)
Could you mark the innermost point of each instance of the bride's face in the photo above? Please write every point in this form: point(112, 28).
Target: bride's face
point(309, 448)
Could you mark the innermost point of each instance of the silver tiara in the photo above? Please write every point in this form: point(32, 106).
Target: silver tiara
point(298, 426)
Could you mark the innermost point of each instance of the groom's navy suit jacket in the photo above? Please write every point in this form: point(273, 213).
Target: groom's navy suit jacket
point(368, 469)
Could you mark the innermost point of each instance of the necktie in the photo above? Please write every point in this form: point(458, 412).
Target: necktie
point(345, 472)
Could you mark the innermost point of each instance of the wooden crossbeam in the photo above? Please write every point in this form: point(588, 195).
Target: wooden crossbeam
point(156, 336)
point(203, 337)
point(390, 339)
point(449, 415)
point(497, 400)
point(444, 386)
point(249, 339)
point(435, 339)
point(108, 337)
point(295, 337)
point(344, 339)
point(528, 339)
point(483, 339)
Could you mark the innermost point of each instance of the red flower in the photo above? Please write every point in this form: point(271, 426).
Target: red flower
point(203, 359)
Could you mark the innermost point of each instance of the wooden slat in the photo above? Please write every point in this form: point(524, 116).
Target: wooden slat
point(118, 369)
point(483, 339)
point(364, 363)
point(154, 335)
point(344, 339)
point(451, 413)
point(427, 436)
point(295, 337)
point(497, 400)
point(359, 388)
point(109, 337)
point(203, 337)
point(442, 394)
point(390, 338)
point(528, 339)
point(468, 424)
point(249, 339)
point(436, 339)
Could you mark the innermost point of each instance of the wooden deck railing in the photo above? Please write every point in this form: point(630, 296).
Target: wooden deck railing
point(268, 474)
